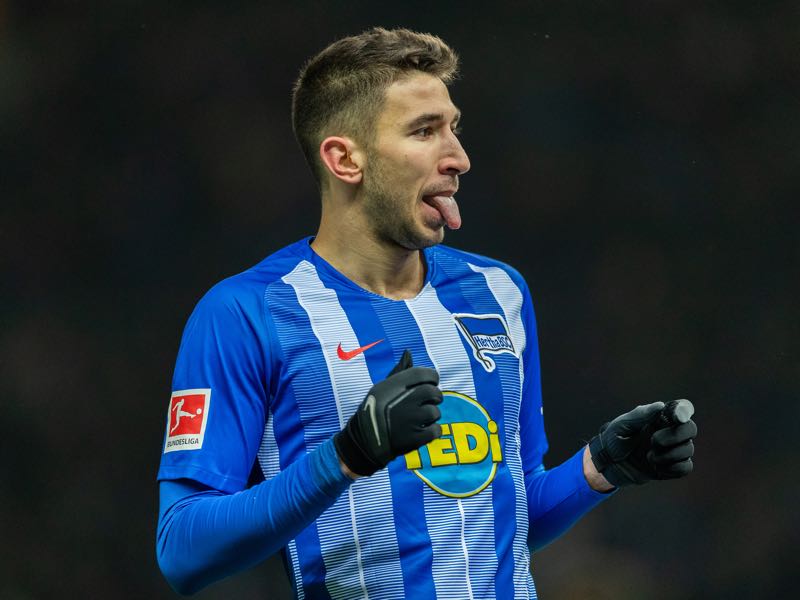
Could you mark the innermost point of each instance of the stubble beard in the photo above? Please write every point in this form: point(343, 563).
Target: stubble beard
point(391, 214)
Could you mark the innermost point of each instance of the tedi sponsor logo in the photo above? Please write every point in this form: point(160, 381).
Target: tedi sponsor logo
point(464, 460)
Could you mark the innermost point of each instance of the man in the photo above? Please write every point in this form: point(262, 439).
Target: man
point(385, 388)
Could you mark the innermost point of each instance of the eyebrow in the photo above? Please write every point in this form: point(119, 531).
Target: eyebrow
point(426, 118)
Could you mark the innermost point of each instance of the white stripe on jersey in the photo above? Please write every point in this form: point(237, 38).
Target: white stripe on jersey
point(268, 457)
point(366, 508)
point(269, 460)
point(466, 569)
point(509, 297)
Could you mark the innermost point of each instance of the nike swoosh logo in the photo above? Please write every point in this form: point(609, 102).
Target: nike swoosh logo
point(348, 354)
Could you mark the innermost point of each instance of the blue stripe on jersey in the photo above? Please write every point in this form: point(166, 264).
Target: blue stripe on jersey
point(416, 555)
point(465, 567)
point(378, 360)
point(296, 407)
point(513, 577)
point(502, 389)
point(494, 386)
point(510, 299)
point(366, 508)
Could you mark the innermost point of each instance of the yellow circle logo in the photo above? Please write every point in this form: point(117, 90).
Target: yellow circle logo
point(464, 460)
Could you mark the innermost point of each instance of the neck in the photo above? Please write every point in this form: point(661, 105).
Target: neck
point(379, 266)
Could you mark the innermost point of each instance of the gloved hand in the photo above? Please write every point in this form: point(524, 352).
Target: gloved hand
point(398, 415)
point(653, 441)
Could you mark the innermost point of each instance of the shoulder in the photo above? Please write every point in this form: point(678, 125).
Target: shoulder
point(244, 292)
point(479, 263)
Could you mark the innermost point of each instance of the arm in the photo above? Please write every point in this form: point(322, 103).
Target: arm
point(559, 497)
point(650, 442)
point(209, 526)
point(205, 535)
point(629, 450)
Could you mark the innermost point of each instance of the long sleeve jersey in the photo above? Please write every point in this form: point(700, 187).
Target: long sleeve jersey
point(272, 364)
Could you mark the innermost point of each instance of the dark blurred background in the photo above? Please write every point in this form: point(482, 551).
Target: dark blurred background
point(637, 162)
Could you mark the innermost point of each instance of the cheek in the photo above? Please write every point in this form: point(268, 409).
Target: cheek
point(418, 169)
point(409, 168)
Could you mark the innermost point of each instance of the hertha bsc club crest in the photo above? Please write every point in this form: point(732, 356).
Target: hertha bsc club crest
point(486, 334)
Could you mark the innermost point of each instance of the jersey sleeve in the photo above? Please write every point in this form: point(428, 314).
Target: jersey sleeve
point(533, 440)
point(558, 497)
point(205, 535)
point(216, 414)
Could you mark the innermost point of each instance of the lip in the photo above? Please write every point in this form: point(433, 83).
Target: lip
point(449, 192)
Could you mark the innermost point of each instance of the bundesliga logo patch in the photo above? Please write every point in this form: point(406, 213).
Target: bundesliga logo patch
point(487, 334)
point(186, 422)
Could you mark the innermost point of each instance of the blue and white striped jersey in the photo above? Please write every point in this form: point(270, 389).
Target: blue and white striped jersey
point(276, 359)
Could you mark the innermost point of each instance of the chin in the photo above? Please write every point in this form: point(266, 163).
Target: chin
point(438, 237)
point(435, 232)
point(431, 238)
point(421, 239)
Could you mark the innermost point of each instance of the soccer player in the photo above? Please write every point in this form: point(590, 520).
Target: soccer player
point(367, 401)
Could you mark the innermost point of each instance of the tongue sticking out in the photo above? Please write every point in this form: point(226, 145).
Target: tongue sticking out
point(449, 209)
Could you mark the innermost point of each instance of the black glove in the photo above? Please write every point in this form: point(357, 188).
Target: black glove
point(398, 415)
point(653, 441)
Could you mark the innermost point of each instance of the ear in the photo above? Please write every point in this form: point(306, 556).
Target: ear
point(342, 158)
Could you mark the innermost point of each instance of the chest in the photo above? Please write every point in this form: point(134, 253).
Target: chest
point(335, 345)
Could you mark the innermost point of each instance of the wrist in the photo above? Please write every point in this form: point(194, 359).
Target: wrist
point(326, 470)
point(347, 471)
point(353, 461)
point(593, 477)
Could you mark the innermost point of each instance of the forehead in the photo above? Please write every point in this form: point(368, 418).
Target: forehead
point(411, 96)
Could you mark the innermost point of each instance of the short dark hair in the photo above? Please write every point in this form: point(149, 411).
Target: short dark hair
point(341, 90)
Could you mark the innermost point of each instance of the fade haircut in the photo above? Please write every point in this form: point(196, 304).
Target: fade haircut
point(341, 90)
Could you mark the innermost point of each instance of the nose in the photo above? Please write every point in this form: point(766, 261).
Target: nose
point(455, 160)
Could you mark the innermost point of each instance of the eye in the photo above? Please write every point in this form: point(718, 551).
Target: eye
point(424, 132)
point(457, 130)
